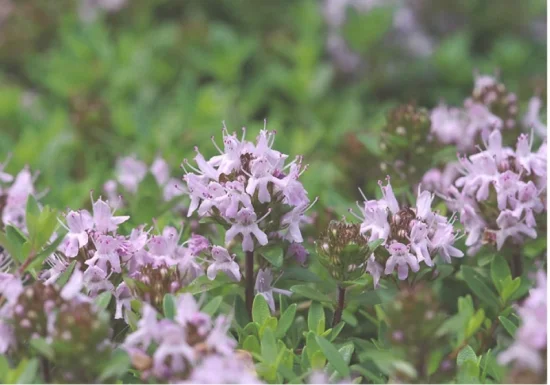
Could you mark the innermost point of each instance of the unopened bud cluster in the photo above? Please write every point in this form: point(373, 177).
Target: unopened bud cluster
point(403, 142)
point(152, 283)
point(343, 250)
point(493, 94)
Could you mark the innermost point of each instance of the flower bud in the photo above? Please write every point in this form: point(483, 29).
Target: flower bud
point(343, 251)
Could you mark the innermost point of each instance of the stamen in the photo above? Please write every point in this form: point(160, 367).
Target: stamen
point(311, 204)
point(354, 214)
point(362, 194)
point(215, 144)
point(265, 216)
point(63, 224)
point(196, 170)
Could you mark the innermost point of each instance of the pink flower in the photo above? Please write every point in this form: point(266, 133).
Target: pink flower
point(511, 226)
point(130, 172)
point(78, 224)
point(400, 256)
point(104, 221)
point(223, 262)
point(106, 254)
point(247, 225)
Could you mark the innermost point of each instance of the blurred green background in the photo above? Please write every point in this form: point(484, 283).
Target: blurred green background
point(84, 82)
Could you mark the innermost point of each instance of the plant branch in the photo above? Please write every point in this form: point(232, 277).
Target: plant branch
point(340, 306)
point(27, 262)
point(249, 284)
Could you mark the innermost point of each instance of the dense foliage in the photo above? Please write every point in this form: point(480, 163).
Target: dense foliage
point(251, 263)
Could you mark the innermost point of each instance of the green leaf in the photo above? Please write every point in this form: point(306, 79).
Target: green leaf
point(346, 352)
point(4, 368)
point(45, 253)
point(480, 289)
point(316, 318)
point(336, 330)
point(375, 244)
point(509, 287)
point(211, 307)
point(269, 346)
point(300, 274)
point(475, 323)
point(32, 213)
point(285, 322)
point(274, 256)
point(434, 360)
point(103, 300)
point(29, 372)
point(508, 325)
point(13, 241)
point(271, 323)
point(64, 277)
point(318, 360)
point(376, 379)
point(251, 328)
point(169, 306)
point(468, 373)
point(203, 284)
point(363, 29)
point(42, 347)
point(466, 354)
point(499, 271)
point(333, 356)
point(46, 225)
point(252, 345)
point(310, 293)
point(260, 310)
point(118, 364)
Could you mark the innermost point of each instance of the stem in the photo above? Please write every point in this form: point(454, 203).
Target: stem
point(517, 268)
point(340, 306)
point(249, 284)
point(46, 371)
point(26, 263)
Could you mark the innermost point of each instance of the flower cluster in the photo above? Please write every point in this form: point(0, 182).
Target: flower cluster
point(77, 332)
point(343, 250)
point(156, 264)
point(491, 107)
point(500, 192)
point(410, 234)
point(130, 172)
point(531, 336)
point(187, 347)
point(248, 188)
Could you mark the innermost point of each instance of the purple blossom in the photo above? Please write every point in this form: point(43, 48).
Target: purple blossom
point(263, 286)
point(225, 263)
point(418, 234)
point(106, 255)
point(515, 177)
point(531, 336)
point(216, 369)
point(298, 252)
point(130, 172)
point(401, 256)
point(104, 221)
point(246, 224)
point(238, 184)
point(78, 223)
